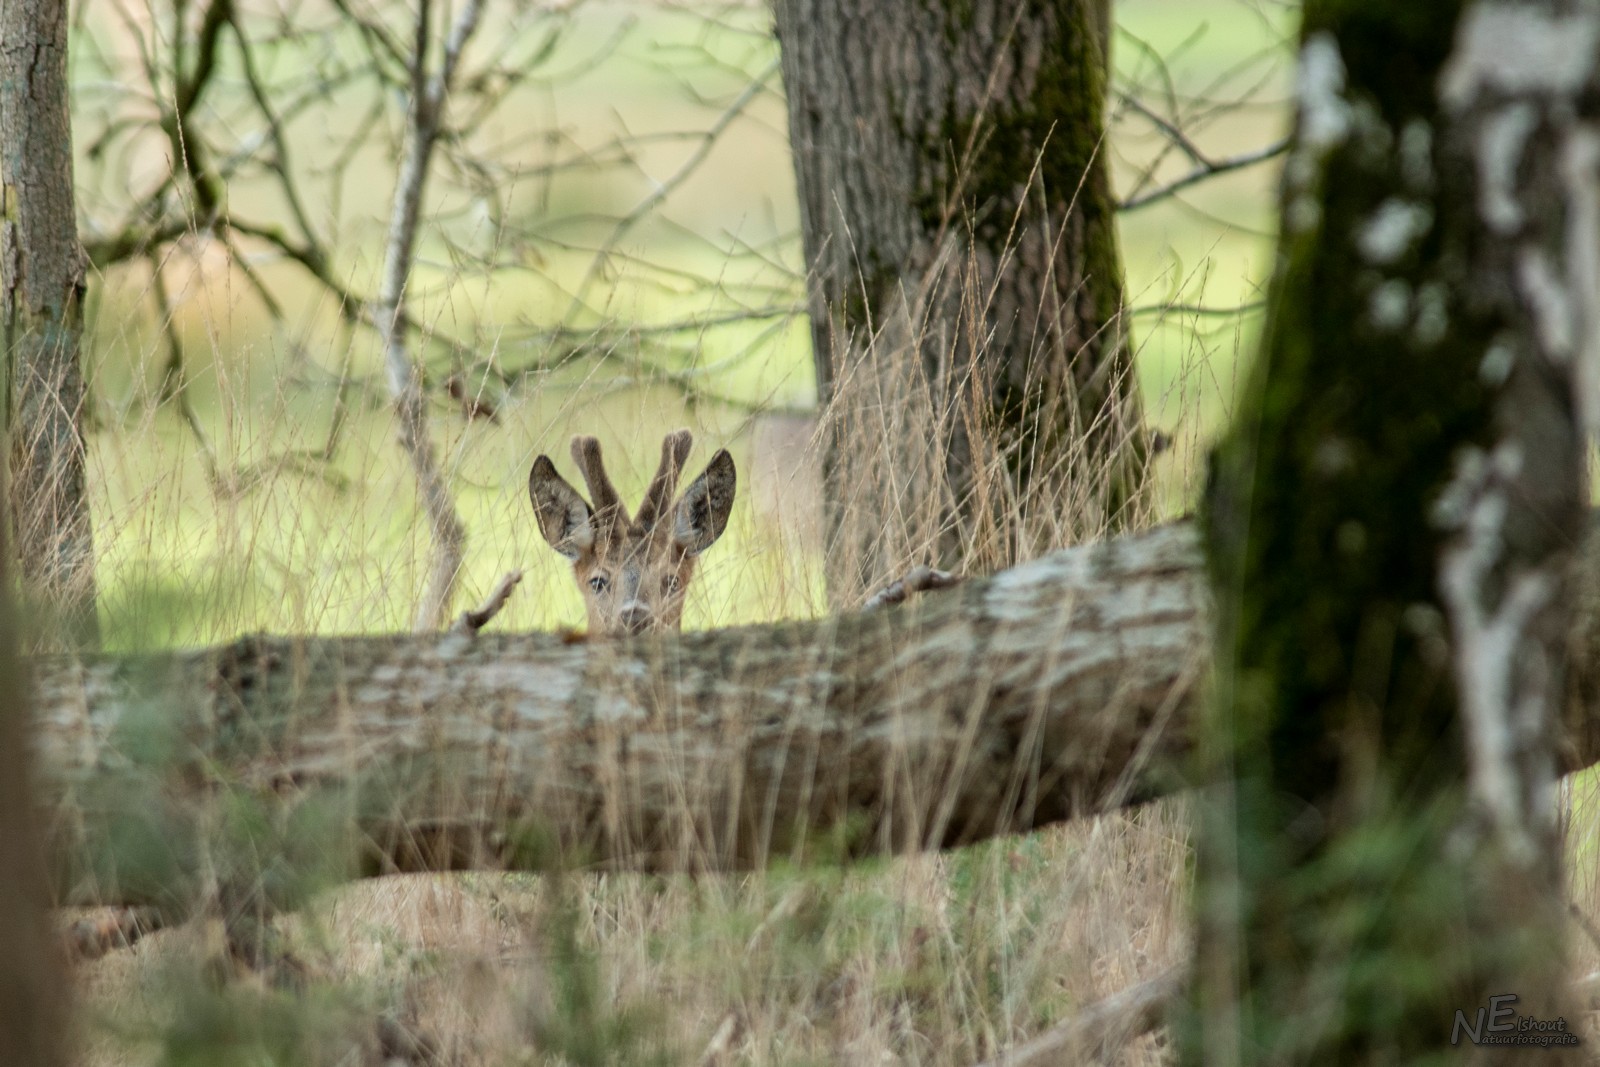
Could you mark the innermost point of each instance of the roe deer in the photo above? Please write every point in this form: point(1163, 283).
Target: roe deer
point(633, 574)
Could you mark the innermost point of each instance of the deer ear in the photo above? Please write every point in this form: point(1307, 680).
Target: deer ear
point(564, 516)
point(702, 511)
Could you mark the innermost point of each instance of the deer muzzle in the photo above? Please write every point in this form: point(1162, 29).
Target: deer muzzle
point(635, 616)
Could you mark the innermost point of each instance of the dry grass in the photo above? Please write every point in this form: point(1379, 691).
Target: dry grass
point(935, 959)
point(931, 959)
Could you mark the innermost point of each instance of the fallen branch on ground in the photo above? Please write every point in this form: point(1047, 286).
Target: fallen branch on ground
point(1097, 1033)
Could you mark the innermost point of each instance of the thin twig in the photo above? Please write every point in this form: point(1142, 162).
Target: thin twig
point(174, 378)
point(665, 189)
point(917, 580)
point(1195, 309)
point(1209, 169)
point(404, 374)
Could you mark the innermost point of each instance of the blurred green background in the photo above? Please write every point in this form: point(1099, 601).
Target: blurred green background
point(584, 283)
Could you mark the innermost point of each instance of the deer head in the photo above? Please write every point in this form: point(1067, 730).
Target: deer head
point(633, 573)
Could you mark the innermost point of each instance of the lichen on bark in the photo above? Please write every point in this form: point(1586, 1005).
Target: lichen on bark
point(1349, 902)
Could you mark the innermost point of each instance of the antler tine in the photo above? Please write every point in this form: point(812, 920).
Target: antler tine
point(607, 505)
point(674, 453)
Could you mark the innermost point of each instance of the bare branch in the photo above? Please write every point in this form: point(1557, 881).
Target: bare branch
point(917, 580)
point(1210, 169)
point(404, 374)
point(470, 622)
point(1196, 309)
point(707, 141)
point(174, 377)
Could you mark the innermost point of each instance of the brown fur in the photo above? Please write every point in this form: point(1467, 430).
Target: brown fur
point(633, 573)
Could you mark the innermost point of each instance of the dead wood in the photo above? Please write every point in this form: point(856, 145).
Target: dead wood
point(1052, 690)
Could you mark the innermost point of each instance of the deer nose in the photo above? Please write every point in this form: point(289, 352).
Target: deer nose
point(635, 617)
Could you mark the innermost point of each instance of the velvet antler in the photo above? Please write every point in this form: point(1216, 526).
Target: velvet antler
point(602, 494)
point(658, 497)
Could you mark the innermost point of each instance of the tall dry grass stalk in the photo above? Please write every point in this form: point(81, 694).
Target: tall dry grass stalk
point(932, 475)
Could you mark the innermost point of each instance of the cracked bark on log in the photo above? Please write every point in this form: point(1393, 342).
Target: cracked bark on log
point(1059, 688)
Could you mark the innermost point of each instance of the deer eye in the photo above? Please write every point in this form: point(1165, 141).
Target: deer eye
point(599, 583)
point(672, 584)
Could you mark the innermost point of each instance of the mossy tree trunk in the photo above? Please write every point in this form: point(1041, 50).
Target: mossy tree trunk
point(41, 324)
point(965, 279)
point(1388, 528)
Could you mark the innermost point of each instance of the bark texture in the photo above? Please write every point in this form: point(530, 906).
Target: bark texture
point(965, 280)
point(41, 325)
point(1064, 687)
point(1049, 691)
point(1392, 523)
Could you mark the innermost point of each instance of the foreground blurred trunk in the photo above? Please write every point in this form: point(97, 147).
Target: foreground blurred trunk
point(965, 280)
point(32, 983)
point(1392, 519)
point(41, 325)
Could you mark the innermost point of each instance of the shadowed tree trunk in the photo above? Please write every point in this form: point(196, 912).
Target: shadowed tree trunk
point(1391, 519)
point(32, 982)
point(965, 279)
point(41, 324)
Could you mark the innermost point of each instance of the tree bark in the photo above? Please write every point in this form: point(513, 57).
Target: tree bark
point(1393, 518)
point(965, 280)
point(33, 988)
point(1061, 688)
point(41, 325)
point(1043, 693)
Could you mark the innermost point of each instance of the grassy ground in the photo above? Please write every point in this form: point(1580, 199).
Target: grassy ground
point(933, 959)
point(943, 959)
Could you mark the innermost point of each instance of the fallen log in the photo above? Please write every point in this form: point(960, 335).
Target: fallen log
point(1056, 689)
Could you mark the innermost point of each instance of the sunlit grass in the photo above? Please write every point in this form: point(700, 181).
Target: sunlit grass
point(937, 958)
point(288, 543)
